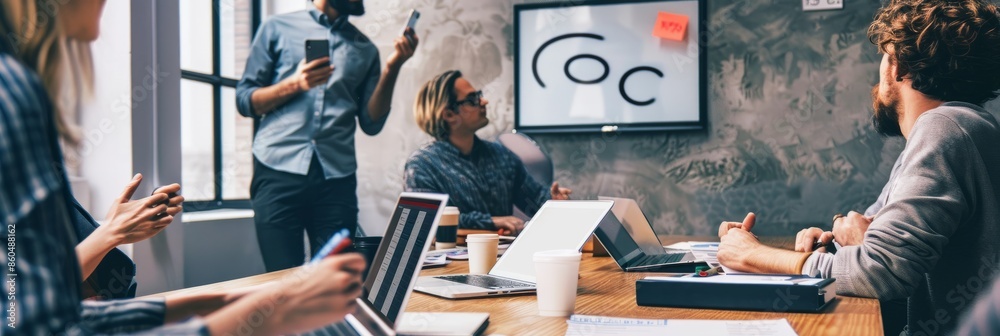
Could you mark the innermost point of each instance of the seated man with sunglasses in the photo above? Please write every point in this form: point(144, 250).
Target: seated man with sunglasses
point(483, 179)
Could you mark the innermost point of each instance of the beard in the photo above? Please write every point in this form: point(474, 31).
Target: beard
point(346, 7)
point(885, 118)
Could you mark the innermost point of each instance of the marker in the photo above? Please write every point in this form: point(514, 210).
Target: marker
point(709, 272)
point(819, 244)
point(830, 247)
point(335, 245)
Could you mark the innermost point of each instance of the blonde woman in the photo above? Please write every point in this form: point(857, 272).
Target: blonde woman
point(43, 277)
point(108, 272)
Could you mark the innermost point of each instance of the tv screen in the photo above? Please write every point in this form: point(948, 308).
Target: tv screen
point(609, 66)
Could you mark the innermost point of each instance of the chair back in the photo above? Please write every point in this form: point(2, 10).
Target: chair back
point(535, 160)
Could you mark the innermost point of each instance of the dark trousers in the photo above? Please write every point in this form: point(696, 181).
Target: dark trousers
point(285, 204)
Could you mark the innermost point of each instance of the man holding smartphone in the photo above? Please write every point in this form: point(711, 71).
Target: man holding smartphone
point(304, 163)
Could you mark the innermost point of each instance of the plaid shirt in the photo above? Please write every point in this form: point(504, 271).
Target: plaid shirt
point(488, 182)
point(42, 281)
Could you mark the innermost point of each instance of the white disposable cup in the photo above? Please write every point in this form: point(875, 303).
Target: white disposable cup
point(482, 252)
point(447, 229)
point(556, 275)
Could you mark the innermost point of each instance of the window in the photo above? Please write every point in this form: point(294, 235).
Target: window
point(216, 141)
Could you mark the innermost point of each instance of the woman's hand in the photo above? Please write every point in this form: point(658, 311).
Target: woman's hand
point(128, 222)
point(134, 221)
point(321, 294)
point(306, 299)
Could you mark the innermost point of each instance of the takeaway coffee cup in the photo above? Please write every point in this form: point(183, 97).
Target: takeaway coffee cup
point(368, 247)
point(482, 252)
point(556, 275)
point(447, 231)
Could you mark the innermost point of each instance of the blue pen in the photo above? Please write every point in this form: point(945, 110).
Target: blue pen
point(332, 246)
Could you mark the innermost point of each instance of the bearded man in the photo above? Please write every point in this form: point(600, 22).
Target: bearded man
point(930, 238)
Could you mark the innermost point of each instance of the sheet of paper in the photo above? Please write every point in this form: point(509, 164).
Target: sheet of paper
point(462, 253)
point(678, 246)
point(579, 325)
point(435, 260)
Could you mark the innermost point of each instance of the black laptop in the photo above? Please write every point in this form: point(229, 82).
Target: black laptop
point(634, 245)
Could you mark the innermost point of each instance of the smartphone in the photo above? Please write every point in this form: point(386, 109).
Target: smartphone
point(411, 23)
point(316, 49)
point(169, 196)
point(335, 245)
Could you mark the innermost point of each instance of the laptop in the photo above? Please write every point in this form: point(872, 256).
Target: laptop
point(634, 245)
point(558, 225)
point(381, 307)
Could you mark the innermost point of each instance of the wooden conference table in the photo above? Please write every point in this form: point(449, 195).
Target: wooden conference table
point(605, 290)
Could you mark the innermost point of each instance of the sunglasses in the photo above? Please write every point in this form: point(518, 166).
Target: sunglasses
point(474, 99)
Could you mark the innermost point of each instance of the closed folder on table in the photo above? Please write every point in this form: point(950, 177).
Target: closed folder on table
point(777, 293)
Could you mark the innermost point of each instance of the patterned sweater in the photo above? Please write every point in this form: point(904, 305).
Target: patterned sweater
point(487, 182)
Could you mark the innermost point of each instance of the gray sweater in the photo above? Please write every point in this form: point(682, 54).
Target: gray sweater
point(935, 238)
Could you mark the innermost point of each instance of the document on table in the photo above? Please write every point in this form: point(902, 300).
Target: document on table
point(461, 253)
point(580, 325)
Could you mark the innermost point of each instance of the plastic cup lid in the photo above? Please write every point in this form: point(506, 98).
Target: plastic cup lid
point(482, 237)
point(451, 210)
point(557, 255)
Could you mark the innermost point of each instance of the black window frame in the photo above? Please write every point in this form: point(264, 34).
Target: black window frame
point(217, 81)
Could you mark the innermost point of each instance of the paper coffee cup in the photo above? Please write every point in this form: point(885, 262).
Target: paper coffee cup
point(556, 272)
point(482, 252)
point(447, 231)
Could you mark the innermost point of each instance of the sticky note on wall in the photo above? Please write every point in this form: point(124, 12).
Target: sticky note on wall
point(671, 26)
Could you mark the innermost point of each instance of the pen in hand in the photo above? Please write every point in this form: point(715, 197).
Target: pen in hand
point(830, 247)
point(339, 242)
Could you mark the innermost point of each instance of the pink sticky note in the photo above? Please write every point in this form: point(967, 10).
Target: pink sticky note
point(671, 26)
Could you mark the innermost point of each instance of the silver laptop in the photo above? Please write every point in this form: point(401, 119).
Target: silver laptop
point(634, 245)
point(558, 225)
point(380, 309)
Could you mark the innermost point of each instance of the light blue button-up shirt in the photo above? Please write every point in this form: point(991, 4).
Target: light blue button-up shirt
point(321, 121)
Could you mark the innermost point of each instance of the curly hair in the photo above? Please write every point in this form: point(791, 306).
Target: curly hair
point(949, 49)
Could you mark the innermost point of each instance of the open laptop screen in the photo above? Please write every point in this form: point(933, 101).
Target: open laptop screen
point(400, 254)
point(636, 224)
point(558, 225)
point(617, 240)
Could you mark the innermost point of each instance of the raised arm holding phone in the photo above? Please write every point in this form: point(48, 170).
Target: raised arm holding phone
point(310, 73)
point(312, 78)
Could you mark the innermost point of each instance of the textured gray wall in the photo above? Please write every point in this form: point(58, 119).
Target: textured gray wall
point(788, 137)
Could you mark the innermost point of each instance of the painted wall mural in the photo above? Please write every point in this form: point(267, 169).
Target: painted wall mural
point(788, 137)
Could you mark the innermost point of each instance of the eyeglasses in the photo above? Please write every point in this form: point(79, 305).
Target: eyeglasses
point(474, 99)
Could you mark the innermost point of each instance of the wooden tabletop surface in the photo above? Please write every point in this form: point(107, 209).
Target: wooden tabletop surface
point(605, 290)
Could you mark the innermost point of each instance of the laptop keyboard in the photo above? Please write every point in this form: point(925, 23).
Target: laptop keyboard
point(485, 281)
point(661, 258)
point(336, 329)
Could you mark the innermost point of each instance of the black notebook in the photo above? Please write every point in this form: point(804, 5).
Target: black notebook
point(776, 293)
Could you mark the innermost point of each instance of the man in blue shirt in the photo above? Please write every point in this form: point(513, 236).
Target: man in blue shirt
point(483, 179)
point(304, 162)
